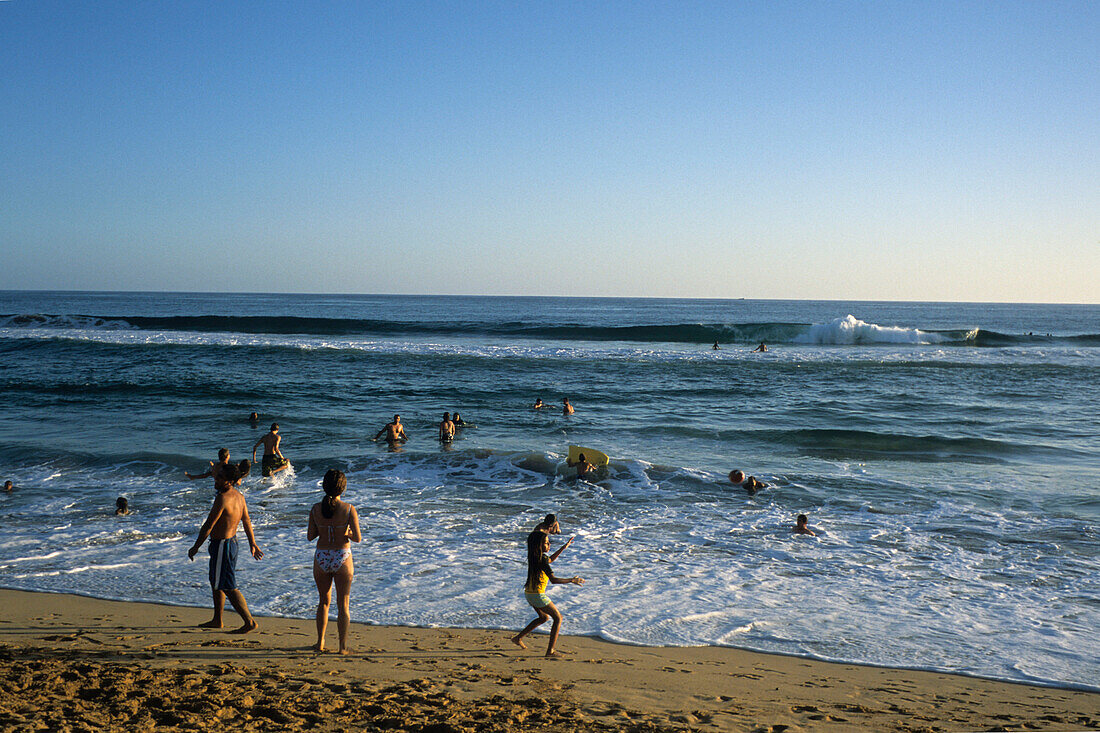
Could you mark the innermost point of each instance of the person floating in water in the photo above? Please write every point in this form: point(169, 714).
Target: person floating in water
point(215, 468)
point(220, 526)
point(751, 485)
point(538, 404)
point(446, 429)
point(273, 460)
point(582, 465)
point(761, 348)
point(802, 527)
point(121, 506)
point(458, 421)
point(566, 408)
point(539, 573)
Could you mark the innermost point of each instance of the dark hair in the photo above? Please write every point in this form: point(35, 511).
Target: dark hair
point(245, 467)
point(535, 554)
point(223, 454)
point(446, 416)
point(550, 519)
point(274, 426)
point(120, 502)
point(333, 484)
point(253, 416)
point(230, 475)
point(802, 519)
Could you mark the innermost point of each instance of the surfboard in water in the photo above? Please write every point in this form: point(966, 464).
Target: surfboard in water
point(593, 456)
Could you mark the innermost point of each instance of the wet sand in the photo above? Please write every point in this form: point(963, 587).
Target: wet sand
point(74, 663)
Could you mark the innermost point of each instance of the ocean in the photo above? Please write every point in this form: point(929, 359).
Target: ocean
point(947, 454)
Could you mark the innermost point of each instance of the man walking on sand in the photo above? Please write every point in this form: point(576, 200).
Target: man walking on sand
point(273, 461)
point(220, 526)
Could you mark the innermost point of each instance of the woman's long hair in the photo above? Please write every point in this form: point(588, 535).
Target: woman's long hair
point(334, 484)
point(535, 554)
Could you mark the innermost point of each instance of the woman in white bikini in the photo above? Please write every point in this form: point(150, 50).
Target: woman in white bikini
point(335, 525)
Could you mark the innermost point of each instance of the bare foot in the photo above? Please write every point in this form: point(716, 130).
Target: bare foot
point(250, 626)
point(318, 648)
point(345, 652)
point(554, 655)
point(518, 642)
point(212, 624)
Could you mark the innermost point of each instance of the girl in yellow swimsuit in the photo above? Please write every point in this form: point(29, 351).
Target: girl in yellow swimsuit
point(539, 574)
point(335, 525)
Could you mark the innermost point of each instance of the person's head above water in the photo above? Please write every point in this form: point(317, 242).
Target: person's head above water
point(397, 418)
point(223, 454)
point(802, 519)
point(737, 476)
point(7, 486)
point(122, 506)
point(253, 416)
point(244, 467)
point(446, 416)
point(274, 427)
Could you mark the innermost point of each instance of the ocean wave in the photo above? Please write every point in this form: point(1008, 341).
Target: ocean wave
point(841, 331)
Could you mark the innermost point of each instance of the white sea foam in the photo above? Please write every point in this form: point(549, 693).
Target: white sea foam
point(851, 330)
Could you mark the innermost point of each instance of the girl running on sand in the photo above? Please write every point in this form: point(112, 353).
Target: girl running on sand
point(335, 525)
point(538, 574)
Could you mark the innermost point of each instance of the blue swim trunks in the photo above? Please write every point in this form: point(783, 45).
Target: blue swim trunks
point(223, 564)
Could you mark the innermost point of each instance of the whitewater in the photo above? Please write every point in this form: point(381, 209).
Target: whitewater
point(945, 453)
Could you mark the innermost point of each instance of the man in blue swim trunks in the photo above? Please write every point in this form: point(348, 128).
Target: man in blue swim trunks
point(220, 526)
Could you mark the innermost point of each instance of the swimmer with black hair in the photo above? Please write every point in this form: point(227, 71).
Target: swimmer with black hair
point(802, 526)
point(121, 506)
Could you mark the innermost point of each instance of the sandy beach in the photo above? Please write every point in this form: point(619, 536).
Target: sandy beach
point(75, 663)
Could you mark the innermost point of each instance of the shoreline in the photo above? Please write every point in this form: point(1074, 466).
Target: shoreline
point(1068, 686)
point(416, 677)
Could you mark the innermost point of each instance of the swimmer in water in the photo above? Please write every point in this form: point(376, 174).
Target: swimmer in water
point(566, 408)
point(394, 431)
point(538, 404)
point(215, 468)
point(121, 506)
point(582, 465)
point(274, 460)
point(802, 527)
point(761, 348)
point(446, 429)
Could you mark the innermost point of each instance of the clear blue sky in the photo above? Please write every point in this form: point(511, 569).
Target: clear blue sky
point(874, 150)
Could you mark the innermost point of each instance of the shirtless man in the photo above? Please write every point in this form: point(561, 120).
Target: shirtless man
point(802, 526)
point(763, 347)
point(273, 460)
point(8, 487)
point(394, 431)
point(220, 526)
point(446, 429)
point(549, 525)
point(582, 465)
point(566, 408)
point(215, 468)
point(538, 404)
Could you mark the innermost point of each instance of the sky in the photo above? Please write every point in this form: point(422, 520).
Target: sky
point(937, 151)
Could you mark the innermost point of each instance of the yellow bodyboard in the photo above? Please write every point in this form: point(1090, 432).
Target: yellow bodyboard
point(593, 456)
